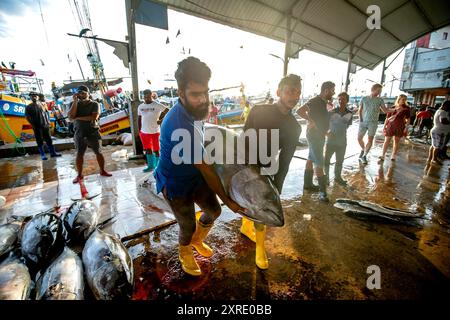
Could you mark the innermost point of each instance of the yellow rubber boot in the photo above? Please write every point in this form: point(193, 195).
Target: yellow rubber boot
point(248, 229)
point(188, 263)
point(261, 257)
point(201, 231)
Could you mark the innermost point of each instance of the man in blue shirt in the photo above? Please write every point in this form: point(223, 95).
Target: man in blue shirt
point(340, 120)
point(182, 174)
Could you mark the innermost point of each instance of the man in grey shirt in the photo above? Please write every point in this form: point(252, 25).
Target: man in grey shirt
point(85, 113)
point(369, 111)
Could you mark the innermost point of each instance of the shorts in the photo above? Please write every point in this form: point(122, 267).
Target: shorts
point(370, 127)
point(438, 140)
point(92, 141)
point(150, 141)
point(316, 143)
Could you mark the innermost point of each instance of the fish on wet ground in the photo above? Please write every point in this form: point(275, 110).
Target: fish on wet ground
point(80, 220)
point(15, 280)
point(42, 240)
point(366, 209)
point(63, 279)
point(8, 238)
point(108, 267)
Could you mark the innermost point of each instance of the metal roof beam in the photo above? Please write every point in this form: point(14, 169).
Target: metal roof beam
point(315, 27)
point(383, 17)
point(365, 14)
point(423, 14)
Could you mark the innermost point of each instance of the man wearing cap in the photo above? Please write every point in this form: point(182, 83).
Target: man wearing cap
point(85, 112)
point(37, 116)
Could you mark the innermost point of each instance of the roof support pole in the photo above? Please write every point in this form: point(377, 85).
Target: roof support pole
point(287, 47)
point(349, 65)
point(130, 11)
point(383, 75)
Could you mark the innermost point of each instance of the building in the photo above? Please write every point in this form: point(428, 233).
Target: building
point(426, 68)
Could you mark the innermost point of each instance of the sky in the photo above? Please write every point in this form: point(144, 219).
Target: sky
point(32, 31)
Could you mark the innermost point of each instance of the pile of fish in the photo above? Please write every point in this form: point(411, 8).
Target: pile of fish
point(370, 210)
point(37, 261)
point(245, 184)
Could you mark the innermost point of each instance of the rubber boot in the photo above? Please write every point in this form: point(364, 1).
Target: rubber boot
point(323, 189)
point(248, 229)
point(308, 181)
point(155, 161)
point(53, 153)
point(187, 260)
point(326, 170)
point(150, 162)
point(42, 152)
point(201, 231)
point(261, 257)
point(337, 176)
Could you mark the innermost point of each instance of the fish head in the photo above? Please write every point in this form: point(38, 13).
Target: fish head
point(258, 195)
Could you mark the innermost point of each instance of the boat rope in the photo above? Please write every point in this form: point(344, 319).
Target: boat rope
point(18, 144)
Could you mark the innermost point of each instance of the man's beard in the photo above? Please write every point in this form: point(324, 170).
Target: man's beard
point(197, 113)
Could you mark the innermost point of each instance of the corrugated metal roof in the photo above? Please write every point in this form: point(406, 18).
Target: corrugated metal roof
point(327, 26)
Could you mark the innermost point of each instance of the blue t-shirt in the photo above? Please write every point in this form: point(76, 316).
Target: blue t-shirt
point(181, 145)
point(339, 122)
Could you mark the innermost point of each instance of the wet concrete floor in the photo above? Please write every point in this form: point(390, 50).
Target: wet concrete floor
point(320, 253)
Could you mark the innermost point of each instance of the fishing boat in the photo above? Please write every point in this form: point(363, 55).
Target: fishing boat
point(14, 97)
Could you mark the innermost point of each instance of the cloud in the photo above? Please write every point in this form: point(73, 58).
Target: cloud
point(11, 8)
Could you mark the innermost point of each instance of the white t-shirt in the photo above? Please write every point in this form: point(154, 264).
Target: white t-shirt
point(150, 114)
point(439, 127)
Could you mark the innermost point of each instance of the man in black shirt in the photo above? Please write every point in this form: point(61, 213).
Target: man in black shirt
point(279, 117)
point(85, 113)
point(315, 111)
point(37, 116)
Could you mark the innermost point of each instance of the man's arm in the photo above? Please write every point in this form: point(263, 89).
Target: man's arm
point(28, 115)
point(73, 108)
point(92, 117)
point(214, 183)
point(303, 112)
point(360, 110)
point(162, 115)
point(386, 109)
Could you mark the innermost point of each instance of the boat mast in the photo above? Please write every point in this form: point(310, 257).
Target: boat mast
point(93, 54)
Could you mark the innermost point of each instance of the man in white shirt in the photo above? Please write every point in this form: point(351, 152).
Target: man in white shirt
point(150, 115)
point(439, 132)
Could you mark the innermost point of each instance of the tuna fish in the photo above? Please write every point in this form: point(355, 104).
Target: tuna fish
point(63, 279)
point(108, 267)
point(42, 240)
point(15, 280)
point(365, 209)
point(80, 220)
point(8, 238)
point(246, 185)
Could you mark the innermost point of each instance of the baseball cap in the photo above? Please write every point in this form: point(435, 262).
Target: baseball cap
point(83, 88)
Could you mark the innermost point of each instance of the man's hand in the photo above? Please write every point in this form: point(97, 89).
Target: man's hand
point(75, 98)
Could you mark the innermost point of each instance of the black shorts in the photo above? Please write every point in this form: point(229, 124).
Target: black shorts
point(92, 141)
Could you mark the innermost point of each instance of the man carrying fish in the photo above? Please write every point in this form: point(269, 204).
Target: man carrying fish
point(190, 182)
point(279, 117)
